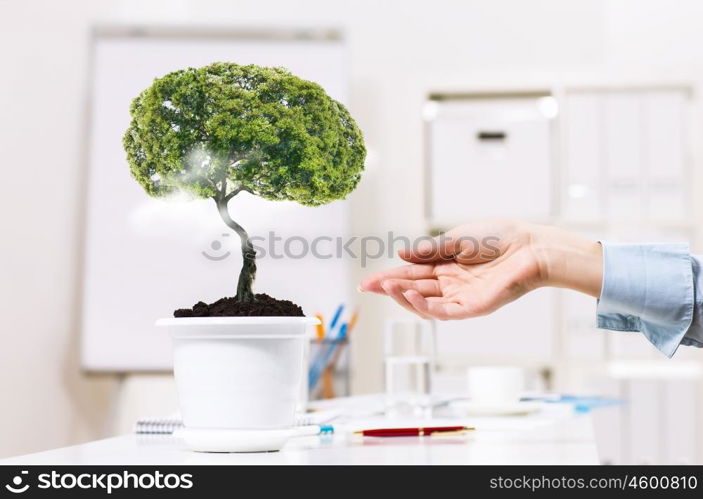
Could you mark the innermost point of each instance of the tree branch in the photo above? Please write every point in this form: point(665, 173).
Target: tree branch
point(235, 192)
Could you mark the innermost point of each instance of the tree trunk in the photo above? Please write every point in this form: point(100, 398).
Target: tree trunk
point(248, 273)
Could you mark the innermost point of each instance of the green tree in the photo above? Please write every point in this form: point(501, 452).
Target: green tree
point(215, 131)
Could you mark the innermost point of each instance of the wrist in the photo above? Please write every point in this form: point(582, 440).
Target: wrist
point(568, 261)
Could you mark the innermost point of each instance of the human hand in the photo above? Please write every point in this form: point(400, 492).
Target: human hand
point(477, 268)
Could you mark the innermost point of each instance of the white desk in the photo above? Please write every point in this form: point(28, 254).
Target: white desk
point(555, 435)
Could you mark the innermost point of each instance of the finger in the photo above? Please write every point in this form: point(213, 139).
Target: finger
point(442, 247)
point(372, 283)
point(395, 291)
point(469, 244)
point(435, 308)
point(426, 287)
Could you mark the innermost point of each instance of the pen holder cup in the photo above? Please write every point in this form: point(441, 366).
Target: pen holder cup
point(334, 379)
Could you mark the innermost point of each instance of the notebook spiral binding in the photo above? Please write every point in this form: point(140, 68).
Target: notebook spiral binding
point(157, 426)
point(167, 426)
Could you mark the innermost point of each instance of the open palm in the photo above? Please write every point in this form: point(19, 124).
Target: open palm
point(471, 270)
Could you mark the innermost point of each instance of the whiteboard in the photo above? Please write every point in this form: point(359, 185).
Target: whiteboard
point(146, 257)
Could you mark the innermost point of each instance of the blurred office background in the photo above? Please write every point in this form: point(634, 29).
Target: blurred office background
point(578, 113)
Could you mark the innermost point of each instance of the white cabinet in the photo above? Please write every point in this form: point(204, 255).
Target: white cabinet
point(624, 157)
point(665, 159)
point(487, 158)
point(581, 196)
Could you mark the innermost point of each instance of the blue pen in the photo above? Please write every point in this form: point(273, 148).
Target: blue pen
point(336, 317)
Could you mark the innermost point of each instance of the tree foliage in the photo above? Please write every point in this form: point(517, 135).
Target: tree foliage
point(222, 128)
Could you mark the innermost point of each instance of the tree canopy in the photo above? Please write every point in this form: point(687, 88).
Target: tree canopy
point(217, 130)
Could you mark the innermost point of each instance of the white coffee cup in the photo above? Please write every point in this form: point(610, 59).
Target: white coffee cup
point(495, 384)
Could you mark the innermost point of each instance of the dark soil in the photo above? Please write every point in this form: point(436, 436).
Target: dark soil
point(264, 306)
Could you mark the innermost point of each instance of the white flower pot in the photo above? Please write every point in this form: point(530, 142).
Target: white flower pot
point(237, 378)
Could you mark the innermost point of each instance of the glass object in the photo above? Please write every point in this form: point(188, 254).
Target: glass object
point(335, 379)
point(409, 361)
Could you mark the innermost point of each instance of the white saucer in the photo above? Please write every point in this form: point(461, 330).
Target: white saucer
point(207, 440)
point(495, 409)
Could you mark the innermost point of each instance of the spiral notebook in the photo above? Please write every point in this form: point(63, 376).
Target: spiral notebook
point(166, 426)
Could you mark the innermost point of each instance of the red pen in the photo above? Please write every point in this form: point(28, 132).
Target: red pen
point(415, 432)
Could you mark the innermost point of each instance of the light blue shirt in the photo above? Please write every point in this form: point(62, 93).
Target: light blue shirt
point(656, 289)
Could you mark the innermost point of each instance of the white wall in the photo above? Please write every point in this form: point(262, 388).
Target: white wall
point(399, 50)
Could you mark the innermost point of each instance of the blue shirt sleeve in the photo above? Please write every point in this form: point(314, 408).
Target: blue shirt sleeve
point(651, 288)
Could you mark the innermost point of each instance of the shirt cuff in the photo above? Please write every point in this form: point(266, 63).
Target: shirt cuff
point(694, 335)
point(647, 288)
